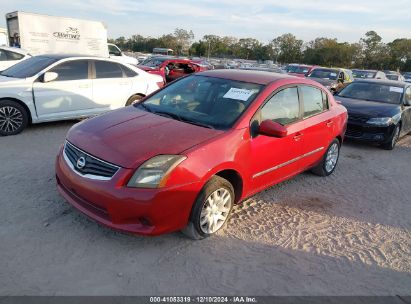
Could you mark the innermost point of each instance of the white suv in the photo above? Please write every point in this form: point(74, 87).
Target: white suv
point(58, 87)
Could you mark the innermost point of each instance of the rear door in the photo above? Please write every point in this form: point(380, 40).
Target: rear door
point(274, 159)
point(70, 95)
point(111, 86)
point(319, 123)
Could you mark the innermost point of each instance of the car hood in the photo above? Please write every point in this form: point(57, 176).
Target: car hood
point(324, 82)
point(127, 137)
point(368, 108)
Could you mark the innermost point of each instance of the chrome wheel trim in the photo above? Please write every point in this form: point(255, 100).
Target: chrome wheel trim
point(215, 211)
point(11, 119)
point(332, 157)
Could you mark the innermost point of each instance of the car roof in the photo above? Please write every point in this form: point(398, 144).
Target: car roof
point(66, 56)
point(14, 49)
point(258, 77)
point(384, 82)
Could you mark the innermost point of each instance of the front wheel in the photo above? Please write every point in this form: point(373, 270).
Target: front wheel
point(211, 209)
point(13, 118)
point(394, 138)
point(329, 161)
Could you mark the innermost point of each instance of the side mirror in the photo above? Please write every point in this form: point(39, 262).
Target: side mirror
point(273, 129)
point(50, 76)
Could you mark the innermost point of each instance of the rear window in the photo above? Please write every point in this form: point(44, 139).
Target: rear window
point(324, 74)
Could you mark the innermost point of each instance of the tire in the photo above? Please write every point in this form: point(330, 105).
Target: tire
point(199, 225)
point(393, 140)
point(13, 118)
point(329, 161)
point(133, 99)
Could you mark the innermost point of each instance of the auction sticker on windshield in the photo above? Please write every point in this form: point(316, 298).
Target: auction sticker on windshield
point(239, 94)
point(397, 90)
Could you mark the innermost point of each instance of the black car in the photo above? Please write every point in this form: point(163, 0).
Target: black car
point(379, 111)
point(333, 79)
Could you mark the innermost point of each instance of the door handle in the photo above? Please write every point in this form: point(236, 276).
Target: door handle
point(297, 137)
point(329, 123)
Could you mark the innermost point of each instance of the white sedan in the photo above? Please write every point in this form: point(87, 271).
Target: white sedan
point(10, 56)
point(58, 87)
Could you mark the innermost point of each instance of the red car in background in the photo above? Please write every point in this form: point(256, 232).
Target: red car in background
point(171, 68)
point(301, 70)
point(181, 158)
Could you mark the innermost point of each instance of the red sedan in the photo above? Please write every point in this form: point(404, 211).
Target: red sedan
point(180, 159)
point(171, 68)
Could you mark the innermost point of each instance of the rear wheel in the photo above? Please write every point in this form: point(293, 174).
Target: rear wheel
point(13, 118)
point(133, 100)
point(211, 209)
point(394, 138)
point(329, 160)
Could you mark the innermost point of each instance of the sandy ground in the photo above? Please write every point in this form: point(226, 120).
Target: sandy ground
point(348, 234)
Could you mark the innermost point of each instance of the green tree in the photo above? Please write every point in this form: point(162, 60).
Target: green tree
point(288, 48)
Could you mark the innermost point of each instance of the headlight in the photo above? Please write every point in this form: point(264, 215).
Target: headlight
point(154, 172)
point(384, 121)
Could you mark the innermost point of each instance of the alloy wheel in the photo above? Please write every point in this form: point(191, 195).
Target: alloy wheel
point(215, 210)
point(11, 119)
point(332, 157)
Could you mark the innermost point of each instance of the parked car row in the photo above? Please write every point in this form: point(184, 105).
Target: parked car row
point(57, 87)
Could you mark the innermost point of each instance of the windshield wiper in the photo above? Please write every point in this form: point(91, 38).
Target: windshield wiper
point(197, 123)
point(144, 107)
point(169, 115)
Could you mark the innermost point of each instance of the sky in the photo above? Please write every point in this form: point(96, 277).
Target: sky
point(346, 20)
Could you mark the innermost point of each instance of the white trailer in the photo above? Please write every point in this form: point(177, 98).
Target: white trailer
point(41, 34)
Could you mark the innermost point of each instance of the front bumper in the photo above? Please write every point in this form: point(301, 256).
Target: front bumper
point(364, 132)
point(139, 211)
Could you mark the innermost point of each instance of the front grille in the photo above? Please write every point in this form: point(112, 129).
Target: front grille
point(93, 167)
point(357, 118)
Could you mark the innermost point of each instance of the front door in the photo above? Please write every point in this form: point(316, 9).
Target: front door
point(274, 159)
point(70, 95)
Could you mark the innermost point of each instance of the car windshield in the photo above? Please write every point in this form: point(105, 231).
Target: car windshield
point(206, 101)
point(373, 92)
point(28, 67)
point(324, 74)
point(392, 77)
point(153, 62)
point(291, 68)
point(363, 74)
point(301, 70)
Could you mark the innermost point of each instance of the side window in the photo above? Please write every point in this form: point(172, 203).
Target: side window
point(283, 107)
point(313, 101)
point(13, 56)
point(105, 69)
point(3, 56)
point(8, 56)
point(71, 70)
point(128, 72)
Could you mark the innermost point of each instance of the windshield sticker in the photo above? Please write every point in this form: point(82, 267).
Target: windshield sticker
point(239, 94)
point(397, 90)
point(333, 74)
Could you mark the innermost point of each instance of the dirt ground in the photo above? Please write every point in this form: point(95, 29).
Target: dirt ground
point(348, 234)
